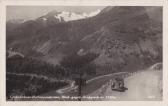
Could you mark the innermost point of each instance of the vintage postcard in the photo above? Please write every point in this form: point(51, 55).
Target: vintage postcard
point(93, 52)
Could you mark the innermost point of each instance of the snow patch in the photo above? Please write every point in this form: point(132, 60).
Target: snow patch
point(68, 16)
point(44, 19)
point(58, 17)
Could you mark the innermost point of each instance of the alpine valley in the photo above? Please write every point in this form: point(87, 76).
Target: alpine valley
point(115, 39)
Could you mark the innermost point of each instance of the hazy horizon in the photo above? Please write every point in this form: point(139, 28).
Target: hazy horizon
point(32, 12)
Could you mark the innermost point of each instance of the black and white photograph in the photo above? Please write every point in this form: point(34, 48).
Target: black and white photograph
point(84, 53)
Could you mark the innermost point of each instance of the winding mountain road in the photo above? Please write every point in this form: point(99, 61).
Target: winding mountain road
point(143, 85)
point(73, 86)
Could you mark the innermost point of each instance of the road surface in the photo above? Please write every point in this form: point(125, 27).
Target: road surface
point(73, 86)
point(146, 85)
point(92, 85)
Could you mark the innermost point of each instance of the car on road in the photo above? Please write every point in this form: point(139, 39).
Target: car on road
point(117, 84)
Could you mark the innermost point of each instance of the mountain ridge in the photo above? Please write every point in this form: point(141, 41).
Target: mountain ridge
point(115, 33)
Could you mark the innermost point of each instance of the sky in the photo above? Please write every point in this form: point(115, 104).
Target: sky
point(32, 12)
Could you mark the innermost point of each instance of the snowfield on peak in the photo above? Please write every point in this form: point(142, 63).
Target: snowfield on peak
point(68, 16)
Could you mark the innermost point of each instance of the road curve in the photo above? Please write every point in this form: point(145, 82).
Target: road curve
point(73, 86)
point(146, 85)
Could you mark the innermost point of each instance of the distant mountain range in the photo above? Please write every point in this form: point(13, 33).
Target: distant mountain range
point(55, 17)
point(124, 36)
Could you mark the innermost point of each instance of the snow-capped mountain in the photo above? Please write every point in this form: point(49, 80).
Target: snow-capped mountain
point(67, 16)
point(118, 34)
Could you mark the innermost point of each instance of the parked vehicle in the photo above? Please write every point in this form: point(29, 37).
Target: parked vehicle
point(117, 84)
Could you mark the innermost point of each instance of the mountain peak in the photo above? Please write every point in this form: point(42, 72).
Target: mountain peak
point(53, 12)
point(114, 29)
point(62, 16)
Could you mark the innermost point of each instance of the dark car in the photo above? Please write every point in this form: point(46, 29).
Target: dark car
point(117, 83)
